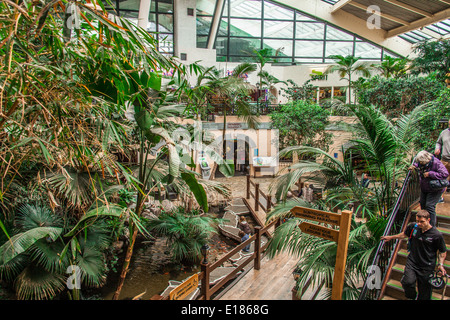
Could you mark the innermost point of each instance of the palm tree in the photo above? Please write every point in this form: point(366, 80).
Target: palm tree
point(186, 232)
point(385, 148)
point(347, 67)
point(43, 246)
point(232, 91)
point(393, 67)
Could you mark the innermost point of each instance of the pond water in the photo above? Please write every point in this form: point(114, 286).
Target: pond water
point(151, 268)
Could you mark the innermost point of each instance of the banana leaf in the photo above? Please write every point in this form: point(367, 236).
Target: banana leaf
point(197, 189)
point(20, 242)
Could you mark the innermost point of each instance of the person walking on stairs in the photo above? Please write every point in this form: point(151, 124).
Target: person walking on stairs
point(430, 170)
point(425, 245)
point(442, 149)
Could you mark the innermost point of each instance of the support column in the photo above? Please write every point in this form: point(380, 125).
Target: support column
point(215, 23)
point(184, 25)
point(144, 10)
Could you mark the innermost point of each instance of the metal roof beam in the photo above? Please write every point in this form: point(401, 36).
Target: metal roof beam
point(437, 17)
point(340, 4)
point(410, 8)
point(381, 14)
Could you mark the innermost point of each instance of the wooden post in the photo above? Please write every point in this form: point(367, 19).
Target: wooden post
point(205, 281)
point(343, 220)
point(341, 255)
point(257, 197)
point(248, 186)
point(269, 202)
point(257, 264)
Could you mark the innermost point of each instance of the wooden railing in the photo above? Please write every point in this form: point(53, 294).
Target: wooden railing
point(206, 290)
point(386, 251)
point(257, 196)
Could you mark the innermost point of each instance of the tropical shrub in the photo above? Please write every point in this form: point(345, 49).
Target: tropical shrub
point(432, 56)
point(398, 96)
point(43, 247)
point(301, 122)
point(384, 147)
point(185, 232)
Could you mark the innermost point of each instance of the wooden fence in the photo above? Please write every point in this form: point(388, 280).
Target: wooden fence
point(206, 290)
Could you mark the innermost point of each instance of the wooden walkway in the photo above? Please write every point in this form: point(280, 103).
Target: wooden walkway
point(274, 281)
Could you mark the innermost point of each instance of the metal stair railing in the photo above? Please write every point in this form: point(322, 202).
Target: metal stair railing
point(408, 196)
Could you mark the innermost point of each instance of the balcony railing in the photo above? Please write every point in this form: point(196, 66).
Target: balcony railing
point(262, 108)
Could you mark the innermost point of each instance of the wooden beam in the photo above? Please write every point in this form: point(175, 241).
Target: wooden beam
point(340, 4)
point(437, 17)
point(383, 15)
point(445, 1)
point(409, 8)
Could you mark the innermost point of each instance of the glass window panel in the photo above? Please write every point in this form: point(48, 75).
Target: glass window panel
point(241, 46)
point(309, 30)
point(308, 60)
point(202, 41)
point(302, 17)
point(128, 4)
point(342, 48)
point(152, 6)
point(240, 59)
point(225, 9)
point(206, 7)
point(165, 23)
point(165, 6)
point(367, 50)
point(245, 28)
point(110, 5)
point(221, 46)
point(283, 60)
point(165, 42)
point(130, 15)
point(308, 48)
point(223, 28)
point(203, 25)
point(221, 58)
point(285, 47)
point(246, 8)
point(439, 28)
point(278, 29)
point(273, 11)
point(408, 38)
point(336, 34)
point(151, 26)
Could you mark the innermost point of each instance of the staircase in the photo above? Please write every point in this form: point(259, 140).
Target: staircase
point(394, 290)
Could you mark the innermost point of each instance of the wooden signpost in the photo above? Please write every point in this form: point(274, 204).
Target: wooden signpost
point(184, 289)
point(343, 221)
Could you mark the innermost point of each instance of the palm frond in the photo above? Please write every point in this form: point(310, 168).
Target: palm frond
point(35, 283)
point(21, 242)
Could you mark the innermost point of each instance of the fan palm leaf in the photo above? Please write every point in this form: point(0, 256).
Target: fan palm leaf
point(20, 242)
point(35, 283)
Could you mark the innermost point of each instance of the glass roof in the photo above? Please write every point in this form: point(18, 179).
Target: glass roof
point(296, 37)
point(432, 31)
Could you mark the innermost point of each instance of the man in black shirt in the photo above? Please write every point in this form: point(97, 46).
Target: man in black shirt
point(424, 243)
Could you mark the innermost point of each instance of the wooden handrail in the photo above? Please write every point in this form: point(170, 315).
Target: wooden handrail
point(256, 256)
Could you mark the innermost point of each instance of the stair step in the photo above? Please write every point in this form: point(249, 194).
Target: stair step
point(394, 290)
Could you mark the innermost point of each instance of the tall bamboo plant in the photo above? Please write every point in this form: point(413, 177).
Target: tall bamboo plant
point(64, 97)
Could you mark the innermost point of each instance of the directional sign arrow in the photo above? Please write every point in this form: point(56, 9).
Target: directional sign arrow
point(319, 231)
